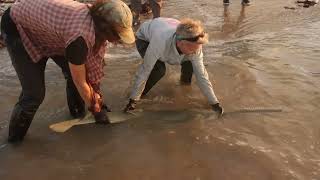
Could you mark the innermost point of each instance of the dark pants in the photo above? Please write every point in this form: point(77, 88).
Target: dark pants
point(155, 6)
point(159, 68)
point(243, 1)
point(31, 77)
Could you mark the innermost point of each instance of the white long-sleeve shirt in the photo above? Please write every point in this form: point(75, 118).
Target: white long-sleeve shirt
point(160, 33)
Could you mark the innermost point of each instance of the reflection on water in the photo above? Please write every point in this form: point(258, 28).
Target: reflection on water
point(229, 27)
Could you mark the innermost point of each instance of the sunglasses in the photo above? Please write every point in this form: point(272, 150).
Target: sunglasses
point(192, 39)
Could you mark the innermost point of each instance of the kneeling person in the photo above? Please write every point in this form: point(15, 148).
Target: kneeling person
point(168, 40)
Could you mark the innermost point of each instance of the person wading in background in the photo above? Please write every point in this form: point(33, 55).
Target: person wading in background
point(243, 2)
point(136, 6)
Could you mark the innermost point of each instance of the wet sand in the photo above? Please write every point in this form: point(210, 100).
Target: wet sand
point(260, 57)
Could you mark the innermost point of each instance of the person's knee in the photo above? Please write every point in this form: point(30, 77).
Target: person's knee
point(38, 98)
point(31, 101)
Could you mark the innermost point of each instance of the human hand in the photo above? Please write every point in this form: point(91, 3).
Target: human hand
point(218, 109)
point(130, 106)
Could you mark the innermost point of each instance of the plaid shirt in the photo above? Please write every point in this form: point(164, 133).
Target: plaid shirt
point(47, 27)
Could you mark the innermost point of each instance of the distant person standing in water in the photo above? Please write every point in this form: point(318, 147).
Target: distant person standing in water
point(243, 2)
point(136, 6)
point(166, 40)
point(74, 36)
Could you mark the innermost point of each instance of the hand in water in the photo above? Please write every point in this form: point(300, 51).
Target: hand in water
point(218, 109)
point(102, 116)
point(130, 106)
point(99, 110)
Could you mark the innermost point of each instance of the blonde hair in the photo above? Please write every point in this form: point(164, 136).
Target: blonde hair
point(189, 28)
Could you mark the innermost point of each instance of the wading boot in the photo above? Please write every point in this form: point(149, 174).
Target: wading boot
point(19, 124)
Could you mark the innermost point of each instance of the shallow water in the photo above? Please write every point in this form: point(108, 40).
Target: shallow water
point(259, 57)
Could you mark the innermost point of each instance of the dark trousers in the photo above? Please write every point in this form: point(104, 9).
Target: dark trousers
point(31, 77)
point(155, 6)
point(243, 1)
point(159, 68)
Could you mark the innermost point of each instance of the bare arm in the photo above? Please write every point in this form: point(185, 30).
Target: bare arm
point(76, 53)
point(78, 73)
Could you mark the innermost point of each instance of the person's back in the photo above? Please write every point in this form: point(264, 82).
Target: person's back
point(156, 28)
point(160, 33)
point(48, 26)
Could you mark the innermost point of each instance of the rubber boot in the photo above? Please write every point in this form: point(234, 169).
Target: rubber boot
point(19, 124)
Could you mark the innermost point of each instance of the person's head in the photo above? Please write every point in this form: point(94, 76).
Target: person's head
point(113, 21)
point(190, 36)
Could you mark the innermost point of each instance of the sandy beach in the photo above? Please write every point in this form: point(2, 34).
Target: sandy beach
point(263, 61)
